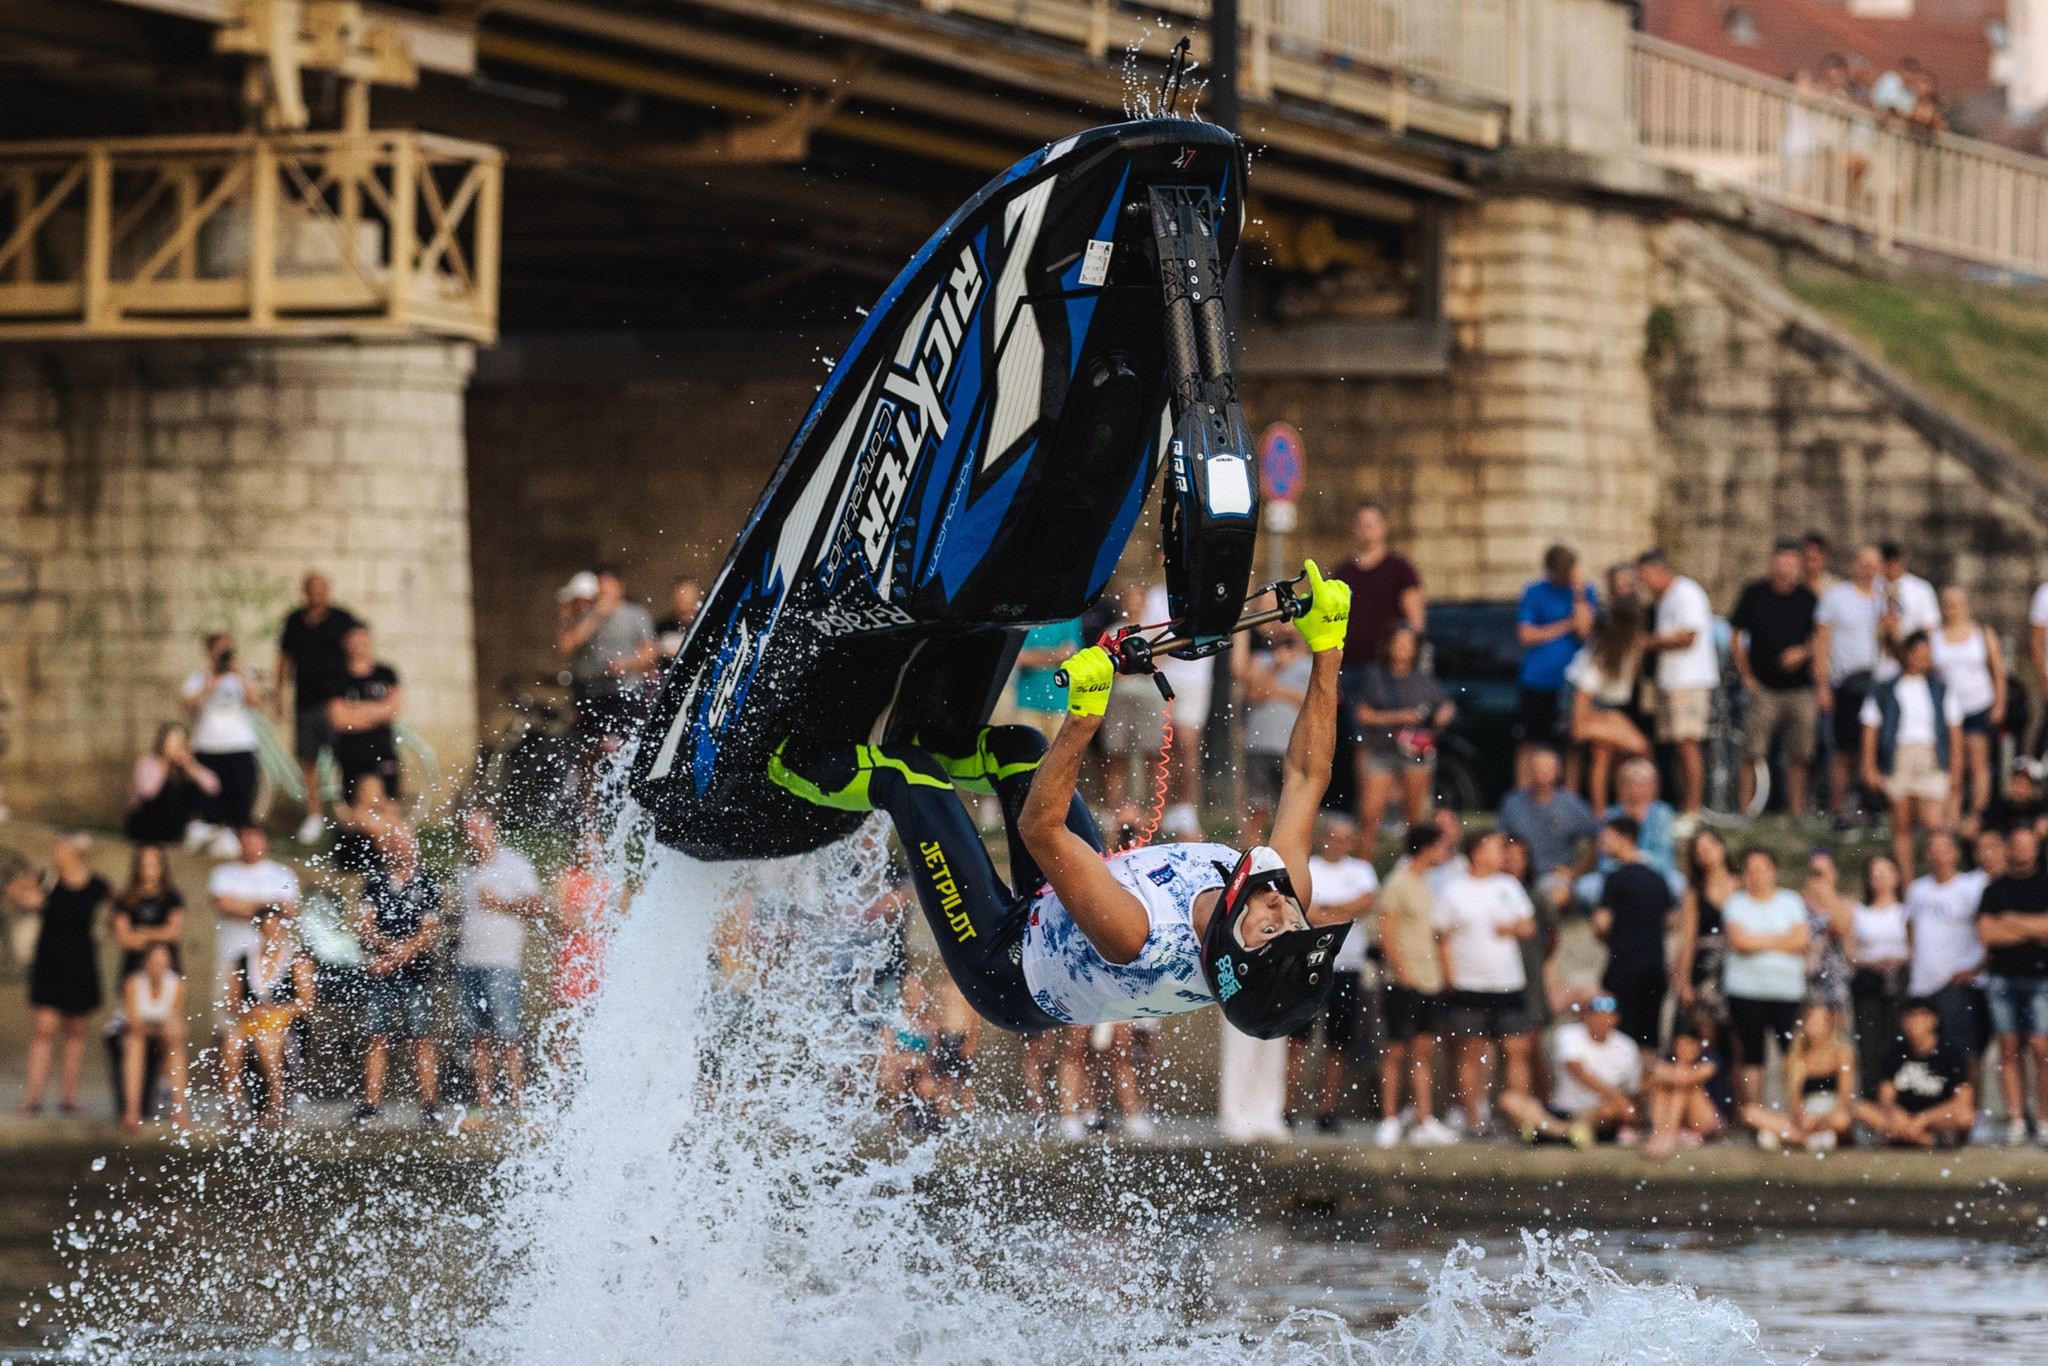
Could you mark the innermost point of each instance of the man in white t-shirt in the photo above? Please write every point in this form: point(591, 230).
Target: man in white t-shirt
point(239, 890)
point(1688, 671)
point(499, 892)
point(1912, 740)
point(1947, 962)
point(1481, 917)
point(1345, 885)
point(1910, 604)
point(1846, 640)
point(1599, 1075)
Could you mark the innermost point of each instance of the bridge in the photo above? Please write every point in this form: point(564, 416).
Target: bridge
point(249, 249)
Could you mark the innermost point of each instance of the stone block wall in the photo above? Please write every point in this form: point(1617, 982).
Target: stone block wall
point(1771, 421)
point(1542, 430)
point(160, 491)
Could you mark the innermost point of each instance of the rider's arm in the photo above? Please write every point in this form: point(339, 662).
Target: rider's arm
point(1114, 920)
point(1304, 778)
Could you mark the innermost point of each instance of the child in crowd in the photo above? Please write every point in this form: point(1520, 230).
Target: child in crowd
point(154, 1003)
point(1820, 1080)
point(1682, 1112)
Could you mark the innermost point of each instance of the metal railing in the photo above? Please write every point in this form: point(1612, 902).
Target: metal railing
point(331, 234)
point(1442, 66)
point(1839, 162)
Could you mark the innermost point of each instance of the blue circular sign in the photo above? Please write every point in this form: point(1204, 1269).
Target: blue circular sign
point(1282, 462)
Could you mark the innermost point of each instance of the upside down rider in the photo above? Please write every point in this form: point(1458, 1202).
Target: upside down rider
point(1080, 938)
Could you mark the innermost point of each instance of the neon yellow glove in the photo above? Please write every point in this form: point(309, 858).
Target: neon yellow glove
point(1089, 675)
point(1329, 611)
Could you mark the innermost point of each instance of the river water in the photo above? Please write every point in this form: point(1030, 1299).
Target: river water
point(707, 1187)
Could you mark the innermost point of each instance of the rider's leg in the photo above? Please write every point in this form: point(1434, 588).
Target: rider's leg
point(970, 911)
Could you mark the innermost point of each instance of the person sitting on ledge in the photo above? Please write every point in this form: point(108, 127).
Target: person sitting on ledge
point(1924, 1097)
point(1682, 1110)
point(1599, 1072)
point(1087, 939)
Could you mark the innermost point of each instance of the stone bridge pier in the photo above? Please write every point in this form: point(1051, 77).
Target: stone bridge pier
point(157, 491)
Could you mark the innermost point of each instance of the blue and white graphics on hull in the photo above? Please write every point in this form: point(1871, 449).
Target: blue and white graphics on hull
point(911, 413)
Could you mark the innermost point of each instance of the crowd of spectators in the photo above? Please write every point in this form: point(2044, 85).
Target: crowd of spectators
point(1871, 697)
point(369, 942)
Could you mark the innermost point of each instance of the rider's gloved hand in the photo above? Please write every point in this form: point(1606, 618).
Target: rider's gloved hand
point(1329, 611)
point(1089, 675)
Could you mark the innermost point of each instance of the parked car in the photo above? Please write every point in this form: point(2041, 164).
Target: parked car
point(1477, 657)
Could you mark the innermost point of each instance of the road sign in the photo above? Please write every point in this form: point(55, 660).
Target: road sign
point(1282, 462)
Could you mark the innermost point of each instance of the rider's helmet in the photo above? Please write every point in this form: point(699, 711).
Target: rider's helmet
point(1271, 988)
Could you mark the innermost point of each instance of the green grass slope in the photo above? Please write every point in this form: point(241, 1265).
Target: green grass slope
point(1979, 350)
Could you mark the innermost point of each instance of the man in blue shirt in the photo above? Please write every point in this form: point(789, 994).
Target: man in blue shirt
point(1554, 620)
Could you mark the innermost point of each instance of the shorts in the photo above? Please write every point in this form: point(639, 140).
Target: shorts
point(1486, 1014)
point(1750, 1019)
point(1409, 1013)
point(1341, 1017)
point(1791, 715)
point(1916, 774)
point(1964, 1019)
point(1134, 722)
point(1682, 714)
point(1384, 758)
point(487, 1001)
point(385, 769)
point(399, 1006)
point(2018, 1005)
point(1638, 994)
point(1978, 722)
point(1536, 716)
point(1263, 775)
point(1848, 728)
point(311, 733)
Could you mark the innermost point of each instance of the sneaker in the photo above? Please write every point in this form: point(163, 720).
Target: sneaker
point(1432, 1133)
point(1821, 1141)
point(2041, 1135)
point(1530, 1133)
point(430, 1116)
point(1041, 1126)
point(197, 833)
point(310, 828)
point(2016, 1135)
point(1387, 1133)
point(1981, 1131)
point(1456, 1119)
point(362, 1114)
point(1581, 1134)
point(1073, 1128)
point(1628, 1136)
point(1138, 1126)
point(1326, 1123)
point(226, 844)
point(1768, 1140)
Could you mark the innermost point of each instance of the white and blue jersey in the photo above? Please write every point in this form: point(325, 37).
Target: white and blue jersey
point(1073, 983)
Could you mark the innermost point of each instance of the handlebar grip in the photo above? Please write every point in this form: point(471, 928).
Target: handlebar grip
point(1059, 678)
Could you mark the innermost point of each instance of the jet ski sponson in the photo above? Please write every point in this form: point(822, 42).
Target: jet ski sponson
point(974, 467)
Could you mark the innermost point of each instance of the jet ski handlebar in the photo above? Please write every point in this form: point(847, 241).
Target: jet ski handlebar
point(1137, 649)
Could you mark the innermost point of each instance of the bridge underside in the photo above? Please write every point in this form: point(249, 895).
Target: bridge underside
point(732, 161)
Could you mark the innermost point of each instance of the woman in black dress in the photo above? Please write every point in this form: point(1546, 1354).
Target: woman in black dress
point(64, 979)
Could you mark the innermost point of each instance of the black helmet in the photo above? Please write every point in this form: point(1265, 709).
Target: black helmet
point(1272, 990)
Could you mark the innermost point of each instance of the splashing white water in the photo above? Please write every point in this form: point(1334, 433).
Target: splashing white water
point(712, 1185)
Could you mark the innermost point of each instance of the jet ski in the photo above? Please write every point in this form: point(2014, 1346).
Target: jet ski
point(974, 467)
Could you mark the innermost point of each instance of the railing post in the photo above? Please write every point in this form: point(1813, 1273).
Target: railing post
point(1259, 70)
point(404, 239)
point(488, 203)
point(99, 238)
point(263, 232)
